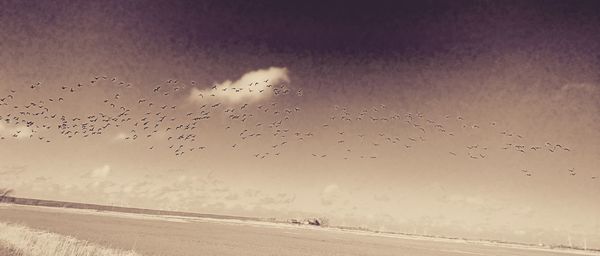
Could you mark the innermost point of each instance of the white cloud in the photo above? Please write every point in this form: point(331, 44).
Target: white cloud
point(586, 87)
point(16, 132)
point(252, 86)
point(520, 232)
point(100, 172)
point(330, 194)
point(281, 198)
point(120, 136)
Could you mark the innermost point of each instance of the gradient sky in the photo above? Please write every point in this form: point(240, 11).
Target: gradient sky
point(393, 116)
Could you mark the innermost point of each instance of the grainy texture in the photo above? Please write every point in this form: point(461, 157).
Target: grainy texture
point(456, 118)
point(158, 237)
point(21, 240)
point(6, 250)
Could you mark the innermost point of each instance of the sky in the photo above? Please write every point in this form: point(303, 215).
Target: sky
point(477, 119)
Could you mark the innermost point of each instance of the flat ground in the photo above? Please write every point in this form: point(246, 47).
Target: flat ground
point(176, 236)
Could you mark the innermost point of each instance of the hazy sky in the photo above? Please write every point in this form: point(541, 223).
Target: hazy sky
point(477, 119)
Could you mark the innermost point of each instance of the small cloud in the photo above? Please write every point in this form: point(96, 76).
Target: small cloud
point(232, 197)
point(585, 87)
point(281, 198)
point(331, 188)
point(252, 86)
point(12, 170)
point(330, 194)
point(99, 173)
point(252, 192)
point(41, 179)
point(520, 232)
point(267, 200)
point(16, 132)
point(120, 136)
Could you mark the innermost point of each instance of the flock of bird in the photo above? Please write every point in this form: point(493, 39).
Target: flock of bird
point(45, 114)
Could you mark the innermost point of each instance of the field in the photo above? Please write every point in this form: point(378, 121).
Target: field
point(168, 235)
point(18, 240)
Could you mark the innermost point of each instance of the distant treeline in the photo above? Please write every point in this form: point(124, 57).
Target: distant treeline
point(60, 204)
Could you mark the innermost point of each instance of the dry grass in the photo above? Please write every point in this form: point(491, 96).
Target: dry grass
point(18, 240)
point(8, 251)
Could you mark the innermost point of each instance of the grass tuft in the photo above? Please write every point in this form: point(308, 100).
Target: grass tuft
point(16, 240)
